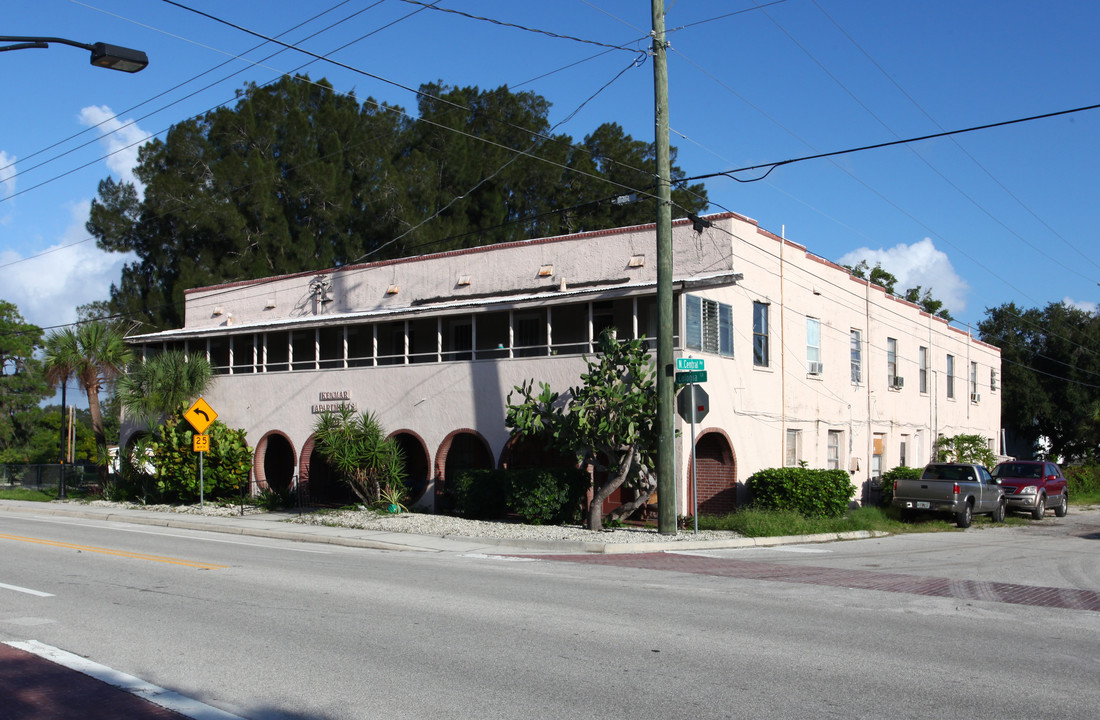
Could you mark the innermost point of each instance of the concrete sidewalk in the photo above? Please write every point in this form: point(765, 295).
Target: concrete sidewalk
point(277, 525)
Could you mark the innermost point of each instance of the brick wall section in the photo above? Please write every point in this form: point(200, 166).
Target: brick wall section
point(716, 474)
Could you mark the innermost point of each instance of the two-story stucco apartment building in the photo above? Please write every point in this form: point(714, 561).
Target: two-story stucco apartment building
point(805, 363)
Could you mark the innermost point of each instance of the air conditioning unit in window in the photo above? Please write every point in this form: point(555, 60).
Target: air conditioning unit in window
point(899, 383)
point(815, 368)
point(975, 398)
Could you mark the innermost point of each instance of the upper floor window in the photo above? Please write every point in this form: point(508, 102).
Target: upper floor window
point(950, 376)
point(892, 362)
point(709, 325)
point(856, 343)
point(814, 365)
point(760, 334)
point(922, 357)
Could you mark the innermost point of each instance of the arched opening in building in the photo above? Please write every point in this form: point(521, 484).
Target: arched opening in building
point(320, 483)
point(715, 474)
point(274, 464)
point(463, 450)
point(416, 464)
point(533, 453)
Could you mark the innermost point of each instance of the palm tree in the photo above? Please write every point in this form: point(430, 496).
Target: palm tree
point(164, 384)
point(95, 353)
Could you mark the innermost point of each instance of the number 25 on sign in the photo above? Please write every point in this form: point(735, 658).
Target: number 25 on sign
point(201, 443)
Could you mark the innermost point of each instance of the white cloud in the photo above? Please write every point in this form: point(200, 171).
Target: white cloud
point(917, 264)
point(122, 139)
point(48, 287)
point(1089, 307)
point(7, 174)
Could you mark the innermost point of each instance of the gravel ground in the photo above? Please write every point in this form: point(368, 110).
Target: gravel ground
point(438, 525)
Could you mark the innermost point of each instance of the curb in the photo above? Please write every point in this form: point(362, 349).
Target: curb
point(330, 535)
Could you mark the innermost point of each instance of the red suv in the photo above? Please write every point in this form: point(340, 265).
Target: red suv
point(1032, 486)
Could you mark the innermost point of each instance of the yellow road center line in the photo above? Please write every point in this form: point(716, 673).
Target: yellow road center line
point(119, 553)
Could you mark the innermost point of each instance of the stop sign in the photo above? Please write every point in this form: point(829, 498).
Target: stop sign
point(693, 403)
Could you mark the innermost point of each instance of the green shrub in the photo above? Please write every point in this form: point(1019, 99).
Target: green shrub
point(479, 494)
point(547, 496)
point(1083, 482)
point(811, 493)
point(272, 499)
point(901, 472)
point(538, 496)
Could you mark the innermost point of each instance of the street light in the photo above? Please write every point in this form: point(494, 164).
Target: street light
point(113, 57)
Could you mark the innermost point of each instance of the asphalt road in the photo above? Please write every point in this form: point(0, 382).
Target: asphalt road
point(275, 629)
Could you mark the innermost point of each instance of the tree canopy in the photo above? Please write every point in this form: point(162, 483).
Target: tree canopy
point(297, 177)
point(609, 420)
point(1050, 364)
point(95, 354)
point(22, 384)
point(916, 295)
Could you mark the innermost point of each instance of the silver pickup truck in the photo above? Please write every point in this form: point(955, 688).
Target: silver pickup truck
point(963, 489)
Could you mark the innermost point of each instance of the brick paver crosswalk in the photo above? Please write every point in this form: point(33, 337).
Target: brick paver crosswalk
point(1038, 596)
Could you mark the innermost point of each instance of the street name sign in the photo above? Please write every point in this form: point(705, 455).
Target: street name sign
point(690, 364)
point(693, 376)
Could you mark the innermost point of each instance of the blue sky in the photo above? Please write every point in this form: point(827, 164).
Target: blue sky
point(984, 218)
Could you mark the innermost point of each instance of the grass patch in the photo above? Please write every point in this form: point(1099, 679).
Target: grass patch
point(754, 522)
point(26, 494)
point(1087, 497)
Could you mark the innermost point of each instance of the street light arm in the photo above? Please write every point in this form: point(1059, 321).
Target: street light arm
point(38, 40)
point(24, 46)
point(112, 57)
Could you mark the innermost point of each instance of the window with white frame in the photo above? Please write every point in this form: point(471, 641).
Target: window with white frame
point(922, 356)
point(950, 373)
point(992, 379)
point(891, 362)
point(709, 325)
point(856, 343)
point(833, 450)
point(760, 334)
point(973, 381)
point(794, 448)
point(813, 346)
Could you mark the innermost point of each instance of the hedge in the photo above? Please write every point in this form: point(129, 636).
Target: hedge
point(811, 493)
point(538, 496)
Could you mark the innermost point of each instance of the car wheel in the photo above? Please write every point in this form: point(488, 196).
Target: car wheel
point(999, 512)
point(964, 517)
point(1063, 507)
point(1040, 508)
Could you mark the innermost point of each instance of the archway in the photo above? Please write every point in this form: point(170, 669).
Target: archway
point(417, 467)
point(318, 481)
point(461, 450)
point(274, 462)
point(522, 452)
point(715, 475)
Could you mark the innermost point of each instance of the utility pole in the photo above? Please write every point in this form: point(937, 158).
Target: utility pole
point(666, 466)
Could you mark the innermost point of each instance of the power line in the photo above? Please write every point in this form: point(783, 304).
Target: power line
point(547, 33)
point(773, 165)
